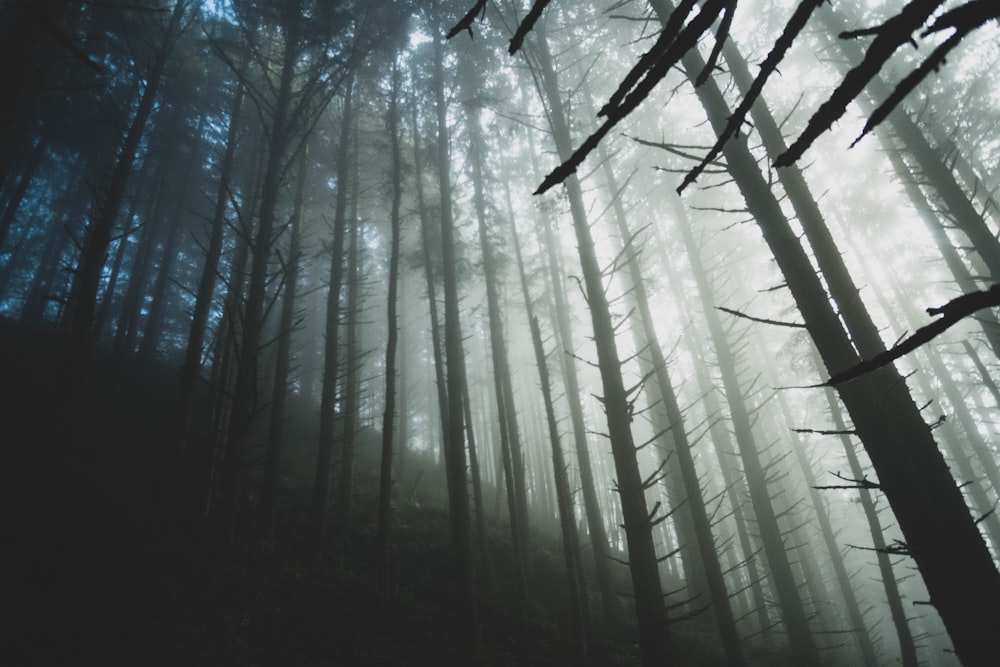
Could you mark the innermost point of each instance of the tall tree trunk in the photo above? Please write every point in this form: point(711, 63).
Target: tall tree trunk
point(940, 533)
point(101, 319)
point(929, 160)
point(344, 503)
point(153, 330)
point(793, 611)
point(860, 632)
point(671, 423)
point(564, 497)
point(101, 227)
point(129, 312)
point(431, 285)
point(244, 395)
point(331, 356)
point(725, 449)
point(907, 646)
point(455, 462)
point(643, 561)
point(205, 293)
point(286, 325)
point(610, 607)
point(392, 325)
point(510, 441)
point(958, 268)
point(485, 574)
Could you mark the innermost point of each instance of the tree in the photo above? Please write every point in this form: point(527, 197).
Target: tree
point(454, 447)
point(617, 401)
point(389, 411)
point(99, 232)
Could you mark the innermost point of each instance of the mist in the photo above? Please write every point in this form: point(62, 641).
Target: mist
point(394, 333)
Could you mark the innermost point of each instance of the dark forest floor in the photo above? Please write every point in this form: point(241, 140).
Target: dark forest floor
point(105, 559)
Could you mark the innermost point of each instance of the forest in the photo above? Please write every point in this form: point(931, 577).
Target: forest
point(471, 332)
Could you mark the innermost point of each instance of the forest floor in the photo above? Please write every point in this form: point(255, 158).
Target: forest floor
point(105, 559)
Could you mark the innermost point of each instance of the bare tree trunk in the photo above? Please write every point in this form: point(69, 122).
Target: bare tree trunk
point(244, 395)
point(940, 533)
point(286, 325)
point(455, 462)
point(793, 611)
point(510, 441)
point(643, 561)
point(392, 324)
point(331, 357)
point(425, 245)
point(129, 312)
point(702, 552)
point(101, 227)
point(344, 503)
point(725, 449)
point(958, 268)
point(907, 647)
point(861, 634)
point(153, 330)
point(930, 161)
point(101, 319)
point(564, 497)
point(206, 284)
point(610, 607)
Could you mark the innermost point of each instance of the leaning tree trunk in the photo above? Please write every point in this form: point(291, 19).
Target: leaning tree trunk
point(101, 227)
point(564, 498)
point(206, 284)
point(671, 421)
point(907, 647)
point(610, 607)
point(940, 533)
point(935, 171)
point(959, 270)
point(793, 611)
point(854, 614)
point(643, 562)
point(724, 447)
point(510, 441)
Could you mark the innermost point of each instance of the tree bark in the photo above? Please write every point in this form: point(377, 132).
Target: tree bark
point(792, 609)
point(643, 563)
point(940, 533)
point(205, 293)
point(101, 227)
point(510, 441)
point(392, 325)
point(660, 393)
point(454, 449)
point(319, 509)
point(610, 607)
point(279, 391)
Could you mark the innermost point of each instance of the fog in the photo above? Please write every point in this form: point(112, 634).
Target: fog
point(503, 353)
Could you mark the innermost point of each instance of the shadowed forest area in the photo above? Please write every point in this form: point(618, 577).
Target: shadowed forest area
point(462, 332)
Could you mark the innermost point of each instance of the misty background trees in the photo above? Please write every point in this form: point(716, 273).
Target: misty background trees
point(280, 261)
